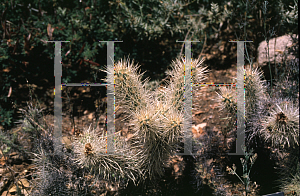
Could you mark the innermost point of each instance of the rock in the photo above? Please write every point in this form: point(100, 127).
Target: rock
point(5, 193)
point(3, 171)
point(283, 47)
point(198, 131)
point(68, 143)
point(286, 49)
point(23, 183)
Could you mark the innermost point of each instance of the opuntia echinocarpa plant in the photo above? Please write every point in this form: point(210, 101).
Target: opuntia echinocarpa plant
point(156, 117)
point(278, 123)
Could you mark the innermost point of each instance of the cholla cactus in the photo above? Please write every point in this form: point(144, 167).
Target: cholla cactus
point(255, 89)
point(129, 90)
point(156, 115)
point(158, 128)
point(255, 93)
point(157, 119)
point(153, 148)
point(227, 99)
point(50, 177)
point(291, 185)
point(256, 98)
point(175, 90)
point(90, 152)
point(168, 121)
point(282, 126)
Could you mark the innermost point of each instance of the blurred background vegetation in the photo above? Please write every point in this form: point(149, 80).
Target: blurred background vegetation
point(148, 28)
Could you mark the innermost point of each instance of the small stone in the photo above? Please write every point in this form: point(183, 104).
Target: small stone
point(24, 183)
point(283, 44)
point(5, 193)
point(67, 142)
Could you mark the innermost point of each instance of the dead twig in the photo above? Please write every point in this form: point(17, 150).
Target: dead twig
point(185, 40)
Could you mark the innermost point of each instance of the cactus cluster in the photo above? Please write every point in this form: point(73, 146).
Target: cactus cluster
point(90, 151)
point(273, 119)
point(255, 93)
point(281, 127)
point(155, 116)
